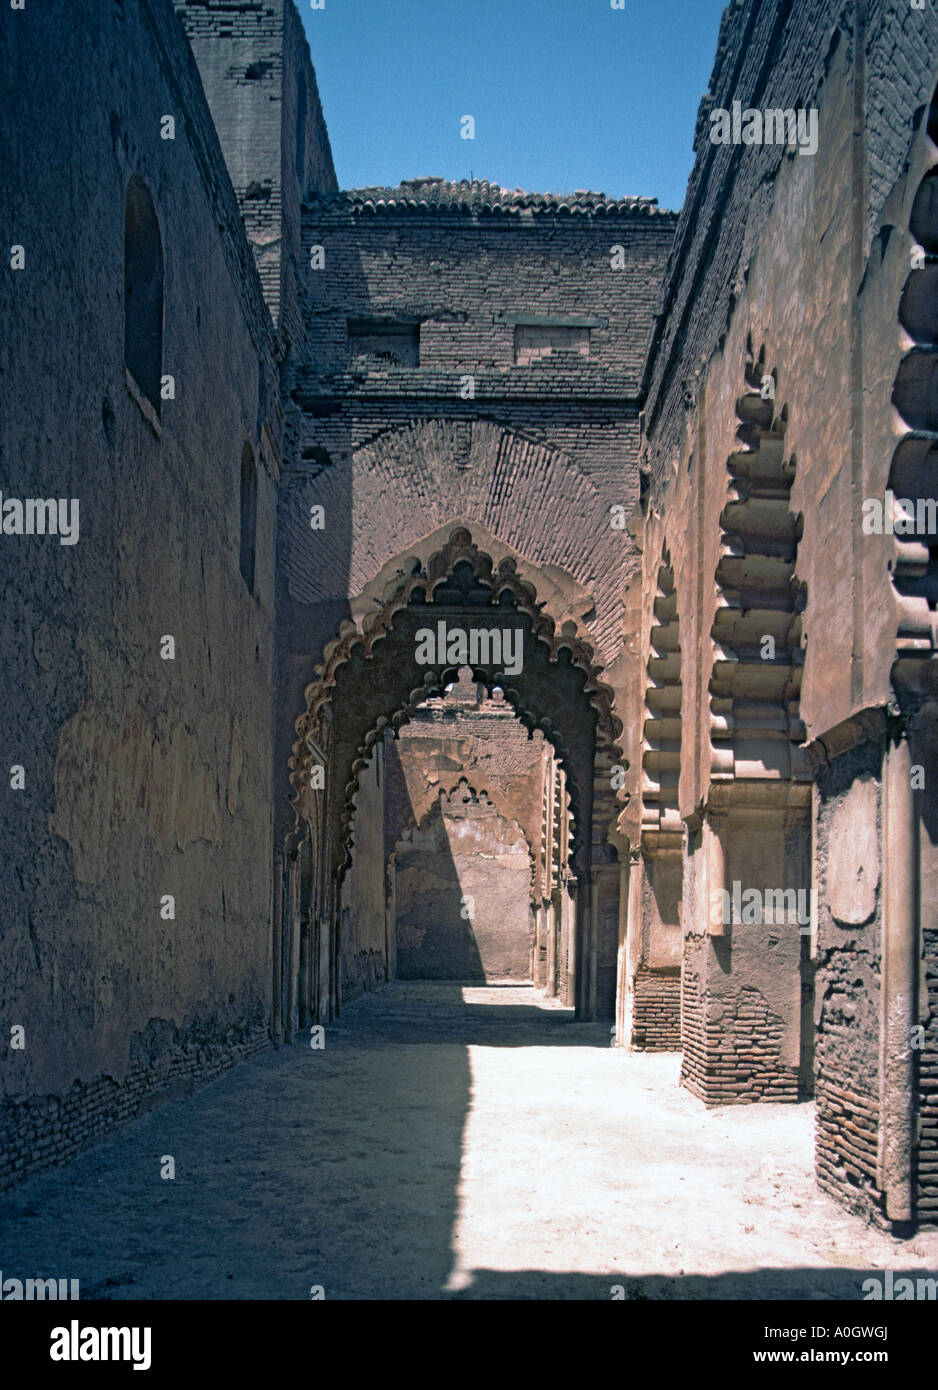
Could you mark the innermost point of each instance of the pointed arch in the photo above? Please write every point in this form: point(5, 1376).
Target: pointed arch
point(370, 681)
point(425, 585)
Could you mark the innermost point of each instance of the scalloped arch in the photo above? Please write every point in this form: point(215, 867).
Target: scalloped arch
point(503, 577)
point(401, 492)
point(757, 631)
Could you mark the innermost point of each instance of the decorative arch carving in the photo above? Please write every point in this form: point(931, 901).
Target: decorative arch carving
point(460, 785)
point(755, 686)
point(661, 756)
point(417, 582)
point(914, 467)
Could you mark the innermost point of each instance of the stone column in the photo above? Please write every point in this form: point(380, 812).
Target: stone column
point(899, 1003)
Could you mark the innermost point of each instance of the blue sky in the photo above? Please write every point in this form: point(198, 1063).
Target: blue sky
point(566, 94)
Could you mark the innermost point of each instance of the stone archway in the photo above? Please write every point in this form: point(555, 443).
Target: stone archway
point(372, 679)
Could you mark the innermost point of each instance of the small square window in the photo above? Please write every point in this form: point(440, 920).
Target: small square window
point(384, 344)
point(535, 342)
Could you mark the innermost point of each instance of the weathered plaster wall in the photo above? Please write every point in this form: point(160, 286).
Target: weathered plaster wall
point(467, 753)
point(144, 777)
point(467, 736)
point(780, 249)
point(463, 880)
point(847, 1005)
point(793, 266)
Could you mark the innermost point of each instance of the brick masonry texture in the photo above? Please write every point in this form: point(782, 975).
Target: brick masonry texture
point(848, 987)
point(731, 1049)
point(927, 1157)
point(656, 1025)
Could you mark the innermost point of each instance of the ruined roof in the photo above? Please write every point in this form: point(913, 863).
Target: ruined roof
point(478, 195)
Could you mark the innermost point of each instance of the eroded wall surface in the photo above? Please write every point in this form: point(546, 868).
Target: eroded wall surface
point(467, 837)
point(136, 860)
point(772, 382)
point(462, 893)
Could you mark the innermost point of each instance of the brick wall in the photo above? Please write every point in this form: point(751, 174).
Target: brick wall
point(656, 1010)
point(927, 1154)
point(732, 1043)
point(261, 88)
point(848, 985)
point(49, 1130)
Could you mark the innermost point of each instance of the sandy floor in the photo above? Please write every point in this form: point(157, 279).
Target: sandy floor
point(450, 1143)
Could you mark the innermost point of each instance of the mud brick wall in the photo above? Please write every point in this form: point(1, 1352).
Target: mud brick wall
point(462, 891)
point(848, 979)
point(693, 1026)
point(732, 1043)
point(461, 278)
point(49, 1130)
point(927, 1157)
point(394, 453)
point(744, 1039)
point(453, 738)
point(656, 1015)
point(464, 749)
point(261, 88)
point(145, 778)
point(771, 53)
point(846, 1128)
point(362, 930)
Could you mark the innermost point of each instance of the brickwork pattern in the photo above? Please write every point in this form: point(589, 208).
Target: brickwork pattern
point(656, 1016)
point(927, 1155)
point(732, 1046)
point(50, 1130)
